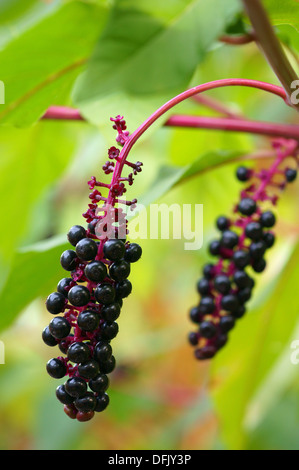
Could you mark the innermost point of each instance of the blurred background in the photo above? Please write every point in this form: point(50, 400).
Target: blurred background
point(83, 54)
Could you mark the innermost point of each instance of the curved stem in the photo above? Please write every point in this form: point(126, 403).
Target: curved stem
point(276, 90)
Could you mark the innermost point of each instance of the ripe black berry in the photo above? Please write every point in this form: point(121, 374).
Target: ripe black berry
point(241, 258)
point(63, 396)
point(267, 219)
point(123, 289)
point(206, 305)
point(257, 249)
point(109, 330)
point(110, 312)
point(247, 206)
point(105, 293)
point(88, 369)
point(195, 315)
point(78, 352)
point(106, 367)
point(95, 271)
point(99, 384)
point(55, 303)
point(269, 239)
point(229, 239)
point(226, 323)
point(56, 368)
point(243, 173)
point(259, 265)
point(48, 338)
point(102, 351)
point(193, 338)
point(68, 260)
point(59, 327)
point(254, 231)
point(86, 249)
point(102, 402)
point(222, 284)
point(114, 249)
point(290, 175)
point(222, 223)
point(230, 302)
point(244, 295)
point(207, 329)
point(64, 285)
point(133, 253)
point(242, 279)
point(75, 234)
point(76, 386)
point(119, 270)
point(214, 247)
point(88, 320)
point(208, 271)
point(86, 403)
point(203, 286)
point(79, 296)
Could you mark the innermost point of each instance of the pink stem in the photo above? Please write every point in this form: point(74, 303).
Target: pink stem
point(63, 112)
point(239, 125)
point(274, 89)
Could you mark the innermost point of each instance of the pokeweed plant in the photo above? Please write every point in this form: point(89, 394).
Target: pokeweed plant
point(87, 304)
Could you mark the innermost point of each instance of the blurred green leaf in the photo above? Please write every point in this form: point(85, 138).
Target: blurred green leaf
point(255, 345)
point(34, 272)
point(145, 57)
point(39, 66)
point(170, 176)
point(30, 164)
point(283, 12)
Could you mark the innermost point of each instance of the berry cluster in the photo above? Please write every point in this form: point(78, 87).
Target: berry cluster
point(244, 239)
point(87, 303)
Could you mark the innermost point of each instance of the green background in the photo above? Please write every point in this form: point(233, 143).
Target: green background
point(128, 57)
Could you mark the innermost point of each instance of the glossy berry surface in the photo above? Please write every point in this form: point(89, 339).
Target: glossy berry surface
point(75, 234)
point(114, 249)
point(86, 249)
point(133, 253)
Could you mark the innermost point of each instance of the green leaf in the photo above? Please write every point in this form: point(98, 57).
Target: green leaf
point(34, 272)
point(170, 176)
point(283, 12)
point(255, 346)
point(16, 16)
point(23, 181)
point(145, 57)
point(39, 66)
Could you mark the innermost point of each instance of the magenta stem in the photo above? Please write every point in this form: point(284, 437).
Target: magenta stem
point(238, 125)
point(63, 113)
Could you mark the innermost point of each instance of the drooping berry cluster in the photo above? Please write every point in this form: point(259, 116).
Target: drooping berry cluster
point(88, 302)
point(244, 239)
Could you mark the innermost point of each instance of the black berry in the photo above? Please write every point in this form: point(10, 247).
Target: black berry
point(68, 260)
point(56, 368)
point(247, 206)
point(59, 327)
point(105, 293)
point(76, 386)
point(86, 249)
point(99, 384)
point(79, 296)
point(119, 270)
point(78, 352)
point(114, 249)
point(95, 271)
point(75, 234)
point(88, 320)
point(133, 253)
point(55, 303)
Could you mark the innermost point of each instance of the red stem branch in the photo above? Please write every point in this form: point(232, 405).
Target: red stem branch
point(236, 125)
